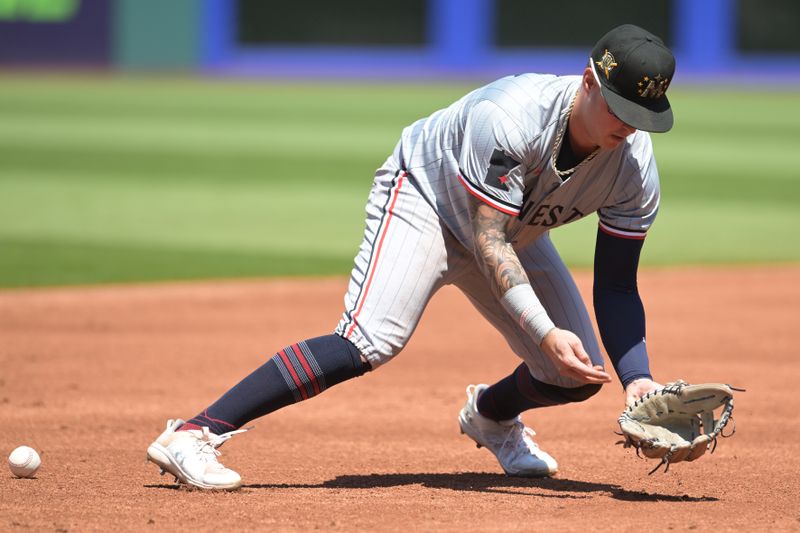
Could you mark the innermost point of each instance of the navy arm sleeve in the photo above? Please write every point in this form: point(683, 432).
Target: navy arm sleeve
point(618, 307)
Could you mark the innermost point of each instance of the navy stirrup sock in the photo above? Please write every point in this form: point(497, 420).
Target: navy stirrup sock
point(520, 391)
point(504, 400)
point(296, 373)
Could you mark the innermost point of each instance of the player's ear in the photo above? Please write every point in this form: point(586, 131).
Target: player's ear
point(588, 81)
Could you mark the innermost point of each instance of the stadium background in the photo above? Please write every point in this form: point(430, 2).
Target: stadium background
point(146, 140)
point(162, 141)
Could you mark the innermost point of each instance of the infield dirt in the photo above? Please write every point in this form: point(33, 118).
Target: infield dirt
point(89, 376)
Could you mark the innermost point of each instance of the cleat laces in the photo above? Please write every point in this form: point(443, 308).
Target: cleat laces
point(207, 443)
point(519, 439)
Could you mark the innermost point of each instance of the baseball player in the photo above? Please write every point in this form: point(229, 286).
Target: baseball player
point(468, 198)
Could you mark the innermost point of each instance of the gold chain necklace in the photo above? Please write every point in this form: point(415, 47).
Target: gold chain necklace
point(559, 139)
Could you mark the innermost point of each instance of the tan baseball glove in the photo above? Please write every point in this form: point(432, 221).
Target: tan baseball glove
point(677, 423)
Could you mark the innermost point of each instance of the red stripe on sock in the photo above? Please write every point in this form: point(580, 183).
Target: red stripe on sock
point(295, 377)
point(205, 415)
point(304, 362)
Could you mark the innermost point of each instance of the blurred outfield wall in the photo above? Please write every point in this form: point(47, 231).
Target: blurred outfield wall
point(750, 41)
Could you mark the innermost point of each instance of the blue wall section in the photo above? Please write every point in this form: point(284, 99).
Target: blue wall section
point(459, 32)
point(218, 22)
point(706, 37)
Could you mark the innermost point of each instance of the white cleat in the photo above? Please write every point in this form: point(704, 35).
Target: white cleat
point(191, 456)
point(509, 440)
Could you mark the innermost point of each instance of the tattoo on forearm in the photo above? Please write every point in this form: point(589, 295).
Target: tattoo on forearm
point(499, 258)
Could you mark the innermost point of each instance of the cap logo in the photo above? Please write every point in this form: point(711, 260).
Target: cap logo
point(652, 87)
point(607, 62)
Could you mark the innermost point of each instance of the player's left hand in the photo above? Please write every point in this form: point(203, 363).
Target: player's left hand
point(676, 422)
point(638, 388)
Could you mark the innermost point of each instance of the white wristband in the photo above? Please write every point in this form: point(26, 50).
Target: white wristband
point(522, 304)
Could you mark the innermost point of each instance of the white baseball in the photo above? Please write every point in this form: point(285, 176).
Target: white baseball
point(24, 461)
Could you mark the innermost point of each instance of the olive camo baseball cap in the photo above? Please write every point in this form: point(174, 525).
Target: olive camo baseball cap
point(635, 68)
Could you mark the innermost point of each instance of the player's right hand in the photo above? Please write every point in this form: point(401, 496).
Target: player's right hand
point(566, 351)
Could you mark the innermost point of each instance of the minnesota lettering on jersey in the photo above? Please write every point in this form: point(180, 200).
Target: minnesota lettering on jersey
point(547, 215)
point(500, 164)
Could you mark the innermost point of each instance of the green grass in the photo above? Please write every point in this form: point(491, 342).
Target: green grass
point(121, 179)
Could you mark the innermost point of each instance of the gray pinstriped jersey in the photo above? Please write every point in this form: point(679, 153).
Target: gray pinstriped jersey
point(450, 154)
